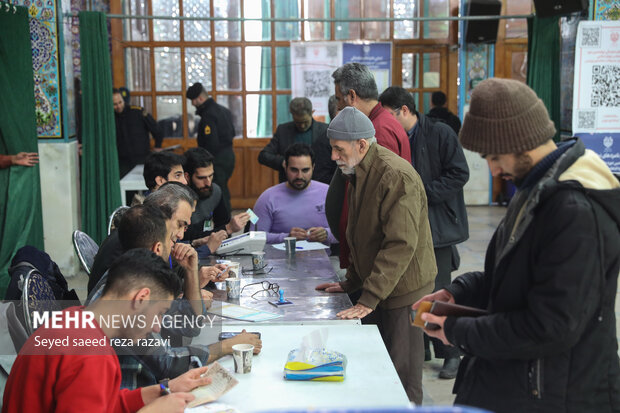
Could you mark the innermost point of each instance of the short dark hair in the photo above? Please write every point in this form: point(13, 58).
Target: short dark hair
point(396, 97)
point(142, 226)
point(300, 106)
point(332, 107)
point(159, 164)
point(196, 158)
point(438, 98)
point(139, 268)
point(168, 196)
point(116, 90)
point(299, 149)
point(358, 77)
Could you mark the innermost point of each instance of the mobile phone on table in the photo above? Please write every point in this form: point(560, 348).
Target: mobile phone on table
point(230, 334)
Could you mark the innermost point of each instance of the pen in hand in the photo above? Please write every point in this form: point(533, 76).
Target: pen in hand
point(219, 275)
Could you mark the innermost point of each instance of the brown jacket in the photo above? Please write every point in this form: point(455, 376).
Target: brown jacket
point(392, 256)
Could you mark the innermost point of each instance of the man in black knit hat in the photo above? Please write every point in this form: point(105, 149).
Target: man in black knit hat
point(548, 342)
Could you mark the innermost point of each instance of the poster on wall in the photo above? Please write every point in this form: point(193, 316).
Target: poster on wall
point(312, 65)
point(596, 93)
point(377, 56)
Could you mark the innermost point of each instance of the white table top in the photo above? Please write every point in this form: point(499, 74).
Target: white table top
point(133, 181)
point(370, 381)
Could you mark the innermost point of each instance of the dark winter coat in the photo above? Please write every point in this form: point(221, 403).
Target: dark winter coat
point(550, 280)
point(272, 155)
point(215, 130)
point(439, 160)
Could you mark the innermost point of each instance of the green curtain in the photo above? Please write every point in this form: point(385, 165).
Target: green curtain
point(543, 64)
point(264, 125)
point(21, 222)
point(100, 179)
point(283, 31)
point(342, 11)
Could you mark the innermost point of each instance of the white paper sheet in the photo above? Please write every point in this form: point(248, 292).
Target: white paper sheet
point(303, 246)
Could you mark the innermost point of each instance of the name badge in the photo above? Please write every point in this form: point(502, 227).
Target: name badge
point(207, 226)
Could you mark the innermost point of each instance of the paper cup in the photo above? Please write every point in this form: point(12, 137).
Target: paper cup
point(242, 355)
point(258, 260)
point(234, 269)
point(233, 287)
point(289, 243)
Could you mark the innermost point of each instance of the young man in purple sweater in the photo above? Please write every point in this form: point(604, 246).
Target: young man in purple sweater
point(295, 208)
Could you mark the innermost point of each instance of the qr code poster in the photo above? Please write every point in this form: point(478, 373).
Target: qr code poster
point(312, 65)
point(596, 91)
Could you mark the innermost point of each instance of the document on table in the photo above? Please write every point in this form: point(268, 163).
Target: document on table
point(303, 246)
point(221, 382)
point(238, 312)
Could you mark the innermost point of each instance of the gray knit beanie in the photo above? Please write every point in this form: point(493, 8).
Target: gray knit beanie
point(350, 125)
point(505, 116)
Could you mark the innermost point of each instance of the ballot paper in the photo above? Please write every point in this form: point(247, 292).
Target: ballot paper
point(213, 408)
point(303, 246)
point(253, 216)
point(221, 382)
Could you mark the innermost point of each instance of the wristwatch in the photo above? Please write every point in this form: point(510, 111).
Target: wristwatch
point(163, 386)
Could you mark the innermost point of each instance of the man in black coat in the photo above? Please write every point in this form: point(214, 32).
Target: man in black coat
point(441, 113)
point(438, 158)
point(216, 132)
point(548, 342)
point(133, 125)
point(302, 129)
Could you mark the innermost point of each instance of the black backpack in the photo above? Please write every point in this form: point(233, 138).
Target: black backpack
point(29, 257)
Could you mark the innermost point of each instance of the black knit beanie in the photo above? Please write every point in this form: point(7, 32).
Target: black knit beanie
point(505, 116)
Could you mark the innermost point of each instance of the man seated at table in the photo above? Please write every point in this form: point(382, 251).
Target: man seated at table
point(144, 226)
point(162, 167)
point(87, 378)
point(159, 168)
point(295, 208)
point(211, 222)
point(174, 199)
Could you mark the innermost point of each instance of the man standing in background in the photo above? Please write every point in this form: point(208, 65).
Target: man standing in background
point(441, 113)
point(216, 132)
point(438, 157)
point(303, 129)
point(133, 125)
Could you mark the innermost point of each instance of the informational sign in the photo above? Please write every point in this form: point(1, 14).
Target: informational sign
point(377, 56)
point(606, 145)
point(596, 93)
point(312, 65)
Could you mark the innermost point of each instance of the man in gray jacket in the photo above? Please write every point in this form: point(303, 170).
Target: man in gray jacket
point(392, 259)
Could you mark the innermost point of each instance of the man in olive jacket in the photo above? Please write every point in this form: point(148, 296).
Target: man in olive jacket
point(392, 259)
point(548, 343)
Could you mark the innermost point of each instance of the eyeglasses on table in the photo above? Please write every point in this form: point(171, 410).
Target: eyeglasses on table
point(265, 286)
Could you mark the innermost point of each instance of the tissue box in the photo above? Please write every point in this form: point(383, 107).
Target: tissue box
point(315, 365)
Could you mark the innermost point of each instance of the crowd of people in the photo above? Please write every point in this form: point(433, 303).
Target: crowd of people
point(382, 184)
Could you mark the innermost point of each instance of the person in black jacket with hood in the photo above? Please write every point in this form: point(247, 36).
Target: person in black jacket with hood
point(439, 159)
point(548, 343)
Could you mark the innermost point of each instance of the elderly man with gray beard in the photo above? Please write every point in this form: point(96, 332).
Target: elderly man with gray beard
point(392, 259)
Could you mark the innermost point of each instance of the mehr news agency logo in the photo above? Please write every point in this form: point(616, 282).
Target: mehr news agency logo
point(86, 320)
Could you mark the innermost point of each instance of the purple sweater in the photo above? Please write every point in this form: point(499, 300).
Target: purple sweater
point(281, 208)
